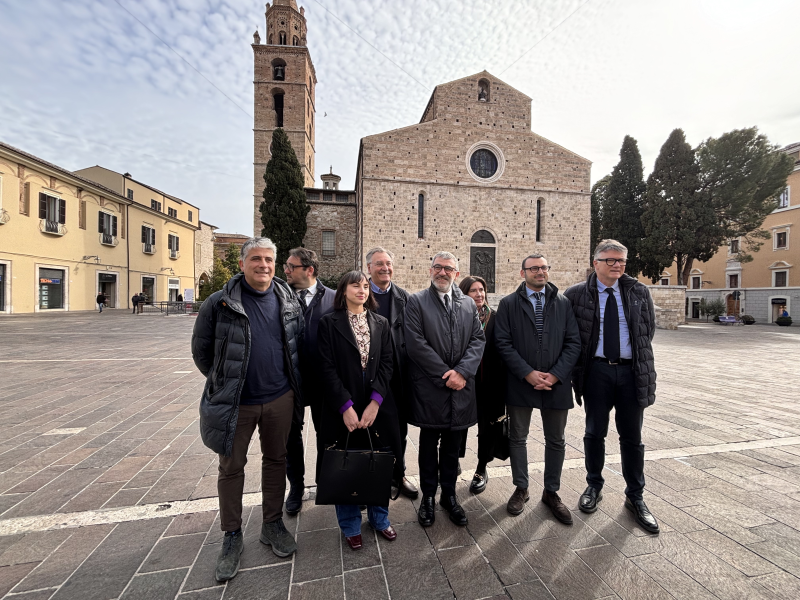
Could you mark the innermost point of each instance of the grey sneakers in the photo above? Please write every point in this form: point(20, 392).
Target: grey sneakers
point(228, 559)
point(275, 534)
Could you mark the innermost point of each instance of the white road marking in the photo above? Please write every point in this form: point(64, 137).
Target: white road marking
point(67, 431)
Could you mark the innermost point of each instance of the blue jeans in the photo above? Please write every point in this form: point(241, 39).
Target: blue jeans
point(349, 516)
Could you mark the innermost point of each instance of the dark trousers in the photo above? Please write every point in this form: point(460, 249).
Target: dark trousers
point(438, 458)
point(295, 452)
point(134, 308)
point(613, 386)
point(273, 420)
point(485, 441)
point(554, 422)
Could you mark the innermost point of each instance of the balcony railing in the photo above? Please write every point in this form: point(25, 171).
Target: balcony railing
point(108, 240)
point(4, 216)
point(149, 248)
point(51, 227)
point(174, 254)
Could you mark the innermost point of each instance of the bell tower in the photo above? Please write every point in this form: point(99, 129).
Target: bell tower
point(285, 83)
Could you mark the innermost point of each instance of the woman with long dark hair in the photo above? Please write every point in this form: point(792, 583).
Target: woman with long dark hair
point(355, 351)
point(489, 382)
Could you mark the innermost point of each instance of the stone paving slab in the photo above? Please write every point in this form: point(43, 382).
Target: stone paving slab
point(106, 490)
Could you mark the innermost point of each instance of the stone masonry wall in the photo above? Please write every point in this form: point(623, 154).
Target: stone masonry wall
point(338, 217)
point(670, 297)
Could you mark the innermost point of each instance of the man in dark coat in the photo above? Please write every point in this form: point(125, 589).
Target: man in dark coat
point(391, 300)
point(316, 300)
point(135, 301)
point(537, 337)
point(617, 323)
point(445, 343)
point(246, 342)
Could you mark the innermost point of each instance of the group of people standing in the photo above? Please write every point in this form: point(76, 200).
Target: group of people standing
point(369, 359)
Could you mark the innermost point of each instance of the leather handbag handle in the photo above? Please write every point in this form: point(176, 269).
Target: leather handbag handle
point(371, 452)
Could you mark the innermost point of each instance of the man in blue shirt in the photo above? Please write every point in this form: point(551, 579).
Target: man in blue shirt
point(616, 318)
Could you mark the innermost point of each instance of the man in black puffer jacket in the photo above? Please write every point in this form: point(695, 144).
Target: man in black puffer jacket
point(246, 342)
point(617, 322)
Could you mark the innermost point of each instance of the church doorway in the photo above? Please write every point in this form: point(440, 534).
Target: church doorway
point(482, 258)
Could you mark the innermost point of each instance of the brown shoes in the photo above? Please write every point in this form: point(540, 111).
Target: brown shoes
point(389, 533)
point(516, 504)
point(354, 542)
point(560, 511)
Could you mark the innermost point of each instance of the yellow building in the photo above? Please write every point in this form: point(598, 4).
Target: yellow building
point(162, 228)
point(65, 237)
point(769, 284)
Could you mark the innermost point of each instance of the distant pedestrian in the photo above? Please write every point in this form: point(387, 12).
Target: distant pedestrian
point(142, 301)
point(617, 322)
point(246, 341)
point(101, 300)
point(135, 301)
point(445, 342)
point(180, 297)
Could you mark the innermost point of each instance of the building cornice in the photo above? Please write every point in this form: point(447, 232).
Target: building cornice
point(476, 185)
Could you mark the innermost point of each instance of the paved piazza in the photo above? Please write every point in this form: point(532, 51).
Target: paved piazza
point(108, 492)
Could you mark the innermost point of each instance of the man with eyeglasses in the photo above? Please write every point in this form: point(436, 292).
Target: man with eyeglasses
point(392, 300)
point(316, 300)
point(445, 343)
point(537, 337)
point(617, 322)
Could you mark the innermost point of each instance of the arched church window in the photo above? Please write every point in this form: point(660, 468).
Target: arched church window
point(295, 41)
point(482, 237)
point(277, 98)
point(421, 216)
point(483, 90)
point(282, 38)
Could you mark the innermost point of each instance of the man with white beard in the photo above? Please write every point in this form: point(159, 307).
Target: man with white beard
point(445, 343)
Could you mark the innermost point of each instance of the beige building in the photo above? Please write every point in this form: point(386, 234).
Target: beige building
point(769, 284)
point(472, 178)
point(65, 237)
point(162, 242)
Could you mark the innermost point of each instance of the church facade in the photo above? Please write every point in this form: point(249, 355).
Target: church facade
point(470, 178)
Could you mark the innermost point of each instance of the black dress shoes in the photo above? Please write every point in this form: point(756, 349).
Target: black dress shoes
point(479, 481)
point(457, 514)
point(426, 514)
point(408, 489)
point(294, 501)
point(589, 499)
point(642, 515)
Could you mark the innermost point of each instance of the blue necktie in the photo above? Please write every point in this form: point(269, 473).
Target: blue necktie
point(611, 328)
point(539, 313)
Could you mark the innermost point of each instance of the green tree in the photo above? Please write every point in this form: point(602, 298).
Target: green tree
point(219, 277)
point(231, 260)
point(712, 308)
point(674, 210)
point(599, 193)
point(740, 177)
point(620, 217)
point(284, 209)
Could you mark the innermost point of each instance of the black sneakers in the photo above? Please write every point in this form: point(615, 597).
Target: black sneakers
point(228, 559)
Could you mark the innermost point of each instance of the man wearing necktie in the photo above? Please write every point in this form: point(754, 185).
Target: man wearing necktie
point(537, 338)
point(316, 300)
point(617, 322)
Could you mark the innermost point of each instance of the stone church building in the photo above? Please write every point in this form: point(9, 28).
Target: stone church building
point(470, 178)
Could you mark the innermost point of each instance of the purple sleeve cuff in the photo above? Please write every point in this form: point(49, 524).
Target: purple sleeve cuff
point(377, 397)
point(345, 406)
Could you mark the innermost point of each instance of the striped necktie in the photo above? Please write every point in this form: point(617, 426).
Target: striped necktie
point(539, 314)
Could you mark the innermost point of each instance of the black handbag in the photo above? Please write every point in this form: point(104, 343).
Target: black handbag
point(355, 476)
point(499, 437)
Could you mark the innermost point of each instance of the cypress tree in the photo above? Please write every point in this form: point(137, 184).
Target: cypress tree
point(622, 206)
point(284, 209)
point(674, 210)
point(599, 192)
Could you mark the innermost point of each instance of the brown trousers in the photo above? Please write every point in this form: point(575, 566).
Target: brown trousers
point(273, 420)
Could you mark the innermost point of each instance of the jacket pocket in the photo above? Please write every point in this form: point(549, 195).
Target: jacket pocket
point(219, 371)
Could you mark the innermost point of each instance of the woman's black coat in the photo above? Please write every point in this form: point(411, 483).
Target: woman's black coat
point(490, 380)
point(343, 380)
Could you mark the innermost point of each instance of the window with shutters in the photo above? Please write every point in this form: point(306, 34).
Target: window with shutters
point(190, 216)
point(172, 212)
point(341, 197)
point(781, 278)
point(25, 200)
point(107, 228)
point(733, 281)
point(328, 243)
point(130, 194)
point(155, 205)
point(781, 238)
point(327, 196)
point(173, 243)
point(148, 240)
point(82, 215)
point(52, 214)
point(696, 283)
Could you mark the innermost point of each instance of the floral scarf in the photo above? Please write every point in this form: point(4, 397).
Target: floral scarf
point(360, 327)
point(483, 314)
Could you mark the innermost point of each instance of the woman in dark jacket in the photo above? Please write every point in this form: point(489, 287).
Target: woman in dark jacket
point(355, 350)
point(489, 382)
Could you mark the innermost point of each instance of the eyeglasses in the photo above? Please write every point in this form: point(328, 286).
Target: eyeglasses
point(613, 261)
point(290, 267)
point(440, 268)
point(543, 269)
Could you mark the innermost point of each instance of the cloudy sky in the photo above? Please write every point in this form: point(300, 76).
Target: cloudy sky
point(88, 82)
